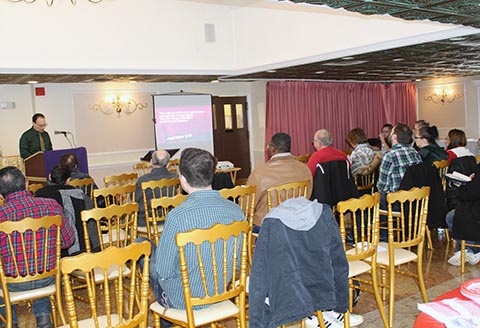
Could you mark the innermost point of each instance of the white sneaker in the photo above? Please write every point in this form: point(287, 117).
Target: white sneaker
point(330, 322)
point(473, 258)
point(355, 319)
point(469, 257)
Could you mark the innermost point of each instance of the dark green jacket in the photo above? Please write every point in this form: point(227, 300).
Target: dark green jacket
point(30, 143)
point(432, 153)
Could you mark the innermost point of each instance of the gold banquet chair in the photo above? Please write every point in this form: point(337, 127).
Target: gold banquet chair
point(156, 189)
point(160, 208)
point(20, 232)
point(243, 196)
point(173, 165)
point(117, 195)
point(442, 168)
point(33, 187)
point(365, 182)
point(120, 180)
point(85, 184)
point(142, 168)
point(277, 194)
point(125, 309)
point(405, 231)
point(303, 158)
point(223, 240)
point(362, 255)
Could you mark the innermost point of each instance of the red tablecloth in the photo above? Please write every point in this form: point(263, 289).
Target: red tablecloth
point(426, 321)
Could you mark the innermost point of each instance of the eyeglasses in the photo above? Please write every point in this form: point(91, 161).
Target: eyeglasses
point(42, 125)
point(418, 137)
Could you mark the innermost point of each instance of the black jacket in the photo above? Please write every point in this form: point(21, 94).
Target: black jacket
point(424, 174)
point(333, 182)
point(466, 223)
point(465, 165)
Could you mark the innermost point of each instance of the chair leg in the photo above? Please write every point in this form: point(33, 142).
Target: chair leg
point(462, 256)
point(378, 299)
point(447, 234)
point(346, 319)
point(391, 295)
point(429, 239)
point(321, 322)
point(421, 281)
point(156, 320)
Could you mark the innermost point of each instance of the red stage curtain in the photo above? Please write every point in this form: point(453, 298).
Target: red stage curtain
point(301, 108)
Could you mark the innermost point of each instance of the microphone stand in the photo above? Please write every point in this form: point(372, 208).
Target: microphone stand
point(65, 135)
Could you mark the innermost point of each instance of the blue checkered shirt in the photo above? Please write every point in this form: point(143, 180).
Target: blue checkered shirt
point(202, 209)
point(394, 164)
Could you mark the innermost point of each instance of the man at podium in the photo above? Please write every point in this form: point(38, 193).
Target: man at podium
point(36, 138)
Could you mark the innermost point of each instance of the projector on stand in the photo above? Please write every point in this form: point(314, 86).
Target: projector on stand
point(222, 165)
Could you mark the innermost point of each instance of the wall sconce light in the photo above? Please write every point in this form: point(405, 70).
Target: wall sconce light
point(441, 95)
point(118, 104)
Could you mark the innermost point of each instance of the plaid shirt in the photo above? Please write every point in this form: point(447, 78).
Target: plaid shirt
point(394, 164)
point(22, 204)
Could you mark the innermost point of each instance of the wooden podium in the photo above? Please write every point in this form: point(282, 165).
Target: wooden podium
point(39, 165)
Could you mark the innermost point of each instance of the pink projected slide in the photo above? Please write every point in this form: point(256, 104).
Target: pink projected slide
point(183, 125)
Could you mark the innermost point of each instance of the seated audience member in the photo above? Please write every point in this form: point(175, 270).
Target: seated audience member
point(362, 155)
point(456, 145)
point(202, 209)
point(281, 168)
point(460, 160)
point(464, 220)
point(19, 204)
point(160, 159)
point(427, 146)
point(71, 160)
point(322, 142)
point(383, 136)
point(314, 259)
point(73, 202)
point(418, 125)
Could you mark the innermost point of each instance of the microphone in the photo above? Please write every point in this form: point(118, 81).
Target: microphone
point(60, 132)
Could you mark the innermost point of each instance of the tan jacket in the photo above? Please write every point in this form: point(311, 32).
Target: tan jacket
point(278, 170)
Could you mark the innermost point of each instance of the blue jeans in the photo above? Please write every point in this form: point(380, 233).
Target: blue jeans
point(160, 295)
point(40, 307)
point(449, 220)
point(384, 218)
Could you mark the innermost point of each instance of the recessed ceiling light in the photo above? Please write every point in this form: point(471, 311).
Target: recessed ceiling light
point(418, 80)
point(32, 82)
point(362, 73)
point(271, 71)
point(319, 72)
point(460, 38)
point(397, 59)
point(214, 81)
point(132, 81)
point(347, 58)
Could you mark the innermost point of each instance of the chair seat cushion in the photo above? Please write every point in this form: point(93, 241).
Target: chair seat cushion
point(357, 267)
point(16, 297)
point(143, 229)
point(102, 322)
point(213, 313)
point(401, 255)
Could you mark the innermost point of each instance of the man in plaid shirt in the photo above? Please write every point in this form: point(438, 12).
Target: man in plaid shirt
point(19, 204)
point(395, 163)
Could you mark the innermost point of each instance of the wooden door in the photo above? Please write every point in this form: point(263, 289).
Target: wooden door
point(230, 132)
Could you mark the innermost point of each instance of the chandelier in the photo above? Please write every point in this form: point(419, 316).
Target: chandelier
point(118, 104)
point(50, 2)
point(441, 95)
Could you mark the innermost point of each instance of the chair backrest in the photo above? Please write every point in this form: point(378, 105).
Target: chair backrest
point(120, 180)
point(303, 158)
point(227, 245)
point(277, 194)
point(125, 309)
point(86, 184)
point(161, 206)
point(408, 228)
point(116, 225)
point(442, 168)
point(478, 159)
point(117, 195)
point(33, 187)
point(364, 213)
point(365, 182)
point(142, 168)
point(157, 189)
point(173, 165)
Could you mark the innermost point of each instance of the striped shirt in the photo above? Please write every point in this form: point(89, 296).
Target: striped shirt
point(202, 209)
point(22, 204)
point(394, 164)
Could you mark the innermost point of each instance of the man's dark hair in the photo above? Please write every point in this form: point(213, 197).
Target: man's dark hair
point(36, 116)
point(70, 160)
point(404, 133)
point(282, 142)
point(388, 125)
point(430, 133)
point(197, 166)
point(422, 123)
point(60, 174)
point(11, 180)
